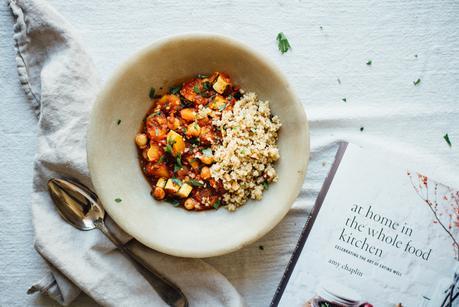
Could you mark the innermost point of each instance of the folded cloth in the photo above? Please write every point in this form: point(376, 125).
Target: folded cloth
point(61, 83)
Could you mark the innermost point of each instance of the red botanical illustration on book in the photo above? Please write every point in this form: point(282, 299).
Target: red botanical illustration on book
point(444, 204)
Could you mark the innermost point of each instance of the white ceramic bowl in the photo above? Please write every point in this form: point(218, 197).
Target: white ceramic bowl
point(112, 155)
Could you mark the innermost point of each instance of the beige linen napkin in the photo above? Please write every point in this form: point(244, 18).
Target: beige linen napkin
point(61, 83)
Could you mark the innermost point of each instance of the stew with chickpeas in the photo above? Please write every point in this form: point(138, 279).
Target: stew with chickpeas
point(175, 140)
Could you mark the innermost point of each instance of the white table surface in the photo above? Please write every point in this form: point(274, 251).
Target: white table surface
point(330, 40)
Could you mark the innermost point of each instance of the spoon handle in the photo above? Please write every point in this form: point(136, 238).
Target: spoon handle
point(170, 293)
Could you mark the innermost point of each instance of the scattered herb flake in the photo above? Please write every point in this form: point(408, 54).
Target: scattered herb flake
point(194, 141)
point(177, 168)
point(175, 89)
point(152, 93)
point(174, 202)
point(282, 43)
point(344, 99)
point(217, 204)
point(338, 80)
point(118, 200)
point(206, 86)
point(448, 141)
point(161, 159)
point(261, 247)
point(361, 128)
point(265, 185)
point(176, 181)
point(415, 55)
point(222, 107)
point(202, 76)
point(369, 62)
point(207, 152)
point(321, 28)
point(196, 89)
point(417, 82)
point(168, 149)
point(118, 122)
point(242, 151)
point(195, 183)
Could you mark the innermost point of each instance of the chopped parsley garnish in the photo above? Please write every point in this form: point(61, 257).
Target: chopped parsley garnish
point(282, 43)
point(417, 81)
point(176, 181)
point(448, 141)
point(174, 202)
point(202, 76)
point(222, 107)
point(178, 163)
point(195, 183)
point(196, 89)
point(194, 141)
point(207, 152)
point(242, 151)
point(118, 200)
point(361, 128)
point(175, 89)
point(161, 159)
point(168, 148)
point(217, 204)
point(265, 185)
point(156, 131)
point(369, 62)
point(206, 85)
point(261, 247)
point(152, 93)
point(344, 99)
point(118, 122)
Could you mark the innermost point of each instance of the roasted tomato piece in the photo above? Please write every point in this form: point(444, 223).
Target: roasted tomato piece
point(192, 90)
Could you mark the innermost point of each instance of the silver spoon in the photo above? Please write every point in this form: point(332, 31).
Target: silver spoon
point(79, 206)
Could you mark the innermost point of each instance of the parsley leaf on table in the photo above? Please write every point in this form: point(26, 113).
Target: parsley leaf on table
point(417, 81)
point(447, 140)
point(152, 93)
point(282, 43)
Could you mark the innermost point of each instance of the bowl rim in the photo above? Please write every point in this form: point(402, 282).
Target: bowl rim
point(124, 66)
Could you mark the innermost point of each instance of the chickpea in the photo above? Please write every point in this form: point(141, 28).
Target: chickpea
point(206, 159)
point(193, 130)
point(159, 193)
point(205, 173)
point(188, 114)
point(190, 203)
point(141, 140)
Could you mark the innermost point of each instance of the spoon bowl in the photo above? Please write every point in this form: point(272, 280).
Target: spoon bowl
point(77, 204)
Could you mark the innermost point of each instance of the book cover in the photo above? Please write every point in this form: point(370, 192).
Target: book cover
point(379, 235)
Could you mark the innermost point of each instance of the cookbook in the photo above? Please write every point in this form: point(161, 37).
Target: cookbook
point(378, 235)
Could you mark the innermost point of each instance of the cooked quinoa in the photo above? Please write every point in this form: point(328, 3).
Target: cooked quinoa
point(244, 159)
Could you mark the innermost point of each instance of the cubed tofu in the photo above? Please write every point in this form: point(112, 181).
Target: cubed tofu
point(161, 183)
point(171, 186)
point(221, 84)
point(184, 191)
